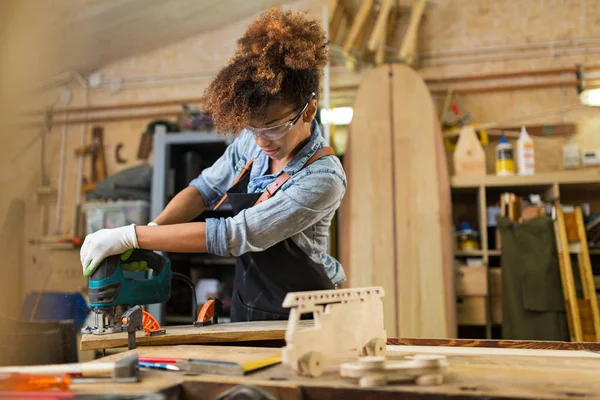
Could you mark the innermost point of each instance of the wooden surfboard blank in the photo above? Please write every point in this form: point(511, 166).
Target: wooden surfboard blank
point(447, 231)
point(189, 334)
point(398, 216)
point(368, 221)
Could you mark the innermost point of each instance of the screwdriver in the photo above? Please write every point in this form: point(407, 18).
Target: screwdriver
point(31, 382)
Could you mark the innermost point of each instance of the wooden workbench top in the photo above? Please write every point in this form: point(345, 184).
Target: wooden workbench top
point(189, 334)
point(474, 373)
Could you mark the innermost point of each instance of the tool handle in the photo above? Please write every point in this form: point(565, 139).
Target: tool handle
point(154, 260)
point(89, 369)
point(162, 360)
point(32, 382)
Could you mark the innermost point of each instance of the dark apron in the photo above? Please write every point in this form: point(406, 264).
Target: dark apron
point(262, 279)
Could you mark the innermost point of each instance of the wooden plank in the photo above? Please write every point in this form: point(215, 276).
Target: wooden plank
point(332, 6)
point(335, 24)
point(447, 233)
point(395, 171)
point(493, 352)
point(409, 43)
point(381, 45)
point(515, 373)
point(418, 209)
point(511, 344)
point(357, 25)
point(378, 34)
point(220, 333)
point(369, 245)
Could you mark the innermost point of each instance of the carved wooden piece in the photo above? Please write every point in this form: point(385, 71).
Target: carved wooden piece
point(469, 157)
point(344, 319)
point(422, 369)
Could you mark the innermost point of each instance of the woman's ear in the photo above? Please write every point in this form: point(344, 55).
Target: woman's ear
point(311, 112)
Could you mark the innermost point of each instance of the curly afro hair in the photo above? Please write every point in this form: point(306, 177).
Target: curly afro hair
point(279, 58)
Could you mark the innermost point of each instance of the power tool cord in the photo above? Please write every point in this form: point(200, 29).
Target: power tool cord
point(191, 284)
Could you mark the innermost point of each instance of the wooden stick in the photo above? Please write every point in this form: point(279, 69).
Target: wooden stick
point(380, 52)
point(378, 35)
point(447, 101)
point(357, 25)
point(115, 118)
point(112, 107)
point(410, 39)
point(333, 5)
point(336, 23)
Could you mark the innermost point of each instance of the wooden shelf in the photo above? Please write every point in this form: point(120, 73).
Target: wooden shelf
point(541, 179)
point(479, 253)
point(468, 253)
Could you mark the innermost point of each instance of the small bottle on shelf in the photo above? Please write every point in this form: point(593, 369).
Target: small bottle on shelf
point(505, 164)
point(525, 154)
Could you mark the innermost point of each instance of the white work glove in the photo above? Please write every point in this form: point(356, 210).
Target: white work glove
point(104, 243)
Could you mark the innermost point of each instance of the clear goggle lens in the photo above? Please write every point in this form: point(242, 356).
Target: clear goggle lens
point(271, 133)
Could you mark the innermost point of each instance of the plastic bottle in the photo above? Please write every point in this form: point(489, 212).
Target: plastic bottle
point(505, 163)
point(525, 154)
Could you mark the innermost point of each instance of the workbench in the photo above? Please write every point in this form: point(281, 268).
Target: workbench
point(492, 370)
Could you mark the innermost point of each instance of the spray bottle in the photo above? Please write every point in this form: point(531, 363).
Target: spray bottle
point(505, 164)
point(525, 154)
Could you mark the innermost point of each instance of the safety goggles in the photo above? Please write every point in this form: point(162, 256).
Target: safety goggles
point(278, 131)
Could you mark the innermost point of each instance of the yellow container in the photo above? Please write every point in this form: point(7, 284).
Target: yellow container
point(505, 163)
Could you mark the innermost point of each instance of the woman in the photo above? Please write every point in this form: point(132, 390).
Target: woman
point(282, 180)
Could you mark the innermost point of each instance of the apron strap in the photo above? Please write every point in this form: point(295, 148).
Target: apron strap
point(275, 186)
point(242, 172)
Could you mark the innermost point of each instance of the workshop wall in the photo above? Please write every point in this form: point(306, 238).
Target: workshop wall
point(480, 24)
point(471, 25)
point(20, 174)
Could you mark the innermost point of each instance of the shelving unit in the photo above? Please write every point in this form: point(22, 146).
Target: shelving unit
point(479, 288)
point(166, 151)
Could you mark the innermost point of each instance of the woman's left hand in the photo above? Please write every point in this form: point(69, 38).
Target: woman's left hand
point(104, 243)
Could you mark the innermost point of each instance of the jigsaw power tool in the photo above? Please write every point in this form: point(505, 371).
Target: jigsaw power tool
point(113, 296)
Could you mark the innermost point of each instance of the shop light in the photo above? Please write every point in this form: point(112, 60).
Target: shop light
point(337, 116)
point(590, 97)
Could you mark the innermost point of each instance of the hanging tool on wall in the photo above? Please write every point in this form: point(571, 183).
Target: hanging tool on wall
point(96, 151)
point(454, 120)
point(118, 158)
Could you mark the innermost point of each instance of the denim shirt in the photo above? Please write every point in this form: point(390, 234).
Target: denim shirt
point(301, 210)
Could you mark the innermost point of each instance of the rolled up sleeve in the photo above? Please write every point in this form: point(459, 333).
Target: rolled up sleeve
point(309, 197)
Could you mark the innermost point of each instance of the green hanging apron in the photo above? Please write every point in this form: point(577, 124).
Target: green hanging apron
point(533, 306)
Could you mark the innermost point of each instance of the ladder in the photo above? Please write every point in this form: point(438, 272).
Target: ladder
point(582, 313)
